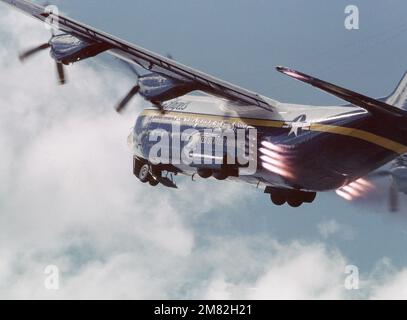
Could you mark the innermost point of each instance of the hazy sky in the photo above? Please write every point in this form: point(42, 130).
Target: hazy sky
point(240, 41)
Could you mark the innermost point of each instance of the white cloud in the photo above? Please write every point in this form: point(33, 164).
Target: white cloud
point(303, 273)
point(292, 271)
point(395, 287)
point(329, 228)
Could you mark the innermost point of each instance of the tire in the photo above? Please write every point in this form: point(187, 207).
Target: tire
point(205, 173)
point(294, 202)
point(144, 173)
point(153, 182)
point(137, 164)
point(309, 197)
point(278, 199)
point(220, 175)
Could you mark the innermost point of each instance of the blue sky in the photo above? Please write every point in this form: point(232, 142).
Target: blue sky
point(242, 41)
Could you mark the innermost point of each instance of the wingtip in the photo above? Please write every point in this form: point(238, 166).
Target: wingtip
point(280, 68)
point(286, 70)
point(293, 73)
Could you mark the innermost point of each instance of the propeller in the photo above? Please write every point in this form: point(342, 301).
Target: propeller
point(125, 101)
point(25, 55)
point(133, 92)
point(394, 198)
point(120, 107)
point(61, 73)
point(31, 52)
point(393, 190)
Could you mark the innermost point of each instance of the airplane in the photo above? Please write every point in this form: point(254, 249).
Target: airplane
point(298, 150)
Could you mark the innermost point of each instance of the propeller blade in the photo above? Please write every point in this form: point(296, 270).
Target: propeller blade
point(27, 54)
point(394, 198)
point(120, 107)
point(61, 73)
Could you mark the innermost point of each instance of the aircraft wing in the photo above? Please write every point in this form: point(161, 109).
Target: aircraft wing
point(148, 60)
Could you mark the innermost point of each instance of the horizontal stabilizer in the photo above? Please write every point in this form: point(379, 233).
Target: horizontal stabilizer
point(373, 106)
point(399, 97)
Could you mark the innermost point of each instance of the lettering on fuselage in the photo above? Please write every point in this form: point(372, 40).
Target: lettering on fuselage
point(197, 121)
point(175, 106)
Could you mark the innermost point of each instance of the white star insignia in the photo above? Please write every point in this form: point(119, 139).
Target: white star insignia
point(295, 126)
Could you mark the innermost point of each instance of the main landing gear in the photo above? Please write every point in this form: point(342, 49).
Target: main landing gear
point(225, 171)
point(144, 173)
point(151, 174)
point(218, 174)
point(294, 198)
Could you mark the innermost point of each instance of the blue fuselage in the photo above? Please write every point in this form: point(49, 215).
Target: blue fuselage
point(294, 150)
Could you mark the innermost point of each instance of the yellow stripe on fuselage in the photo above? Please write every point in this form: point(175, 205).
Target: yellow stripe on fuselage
point(316, 127)
point(362, 135)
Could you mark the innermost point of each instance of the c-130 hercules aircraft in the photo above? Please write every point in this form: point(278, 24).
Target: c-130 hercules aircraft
point(298, 150)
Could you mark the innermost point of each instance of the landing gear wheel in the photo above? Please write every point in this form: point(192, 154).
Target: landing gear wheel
point(309, 197)
point(144, 173)
point(220, 175)
point(137, 164)
point(153, 182)
point(294, 202)
point(205, 173)
point(278, 199)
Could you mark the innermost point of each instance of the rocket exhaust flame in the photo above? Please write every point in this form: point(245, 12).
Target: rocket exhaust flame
point(277, 170)
point(344, 195)
point(271, 154)
point(355, 190)
point(356, 186)
point(275, 160)
point(272, 146)
point(364, 183)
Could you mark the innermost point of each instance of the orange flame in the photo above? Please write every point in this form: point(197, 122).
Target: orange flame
point(355, 189)
point(272, 146)
point(280, 171)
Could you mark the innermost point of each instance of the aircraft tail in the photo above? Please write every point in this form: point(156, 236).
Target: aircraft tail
point(399, 96)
